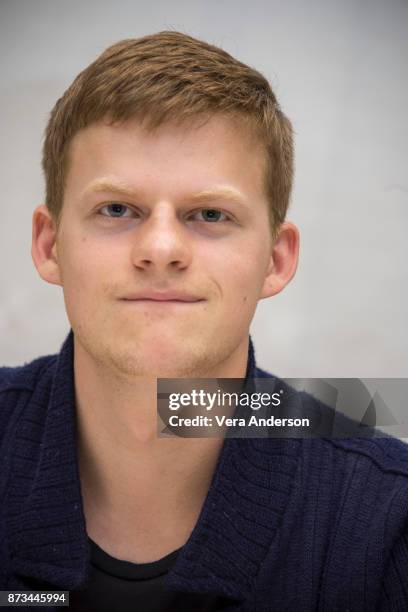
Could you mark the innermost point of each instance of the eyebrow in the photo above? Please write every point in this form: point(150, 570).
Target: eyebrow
point(202, 197)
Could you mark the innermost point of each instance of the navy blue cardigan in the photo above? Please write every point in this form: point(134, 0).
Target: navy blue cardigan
point(288, 524)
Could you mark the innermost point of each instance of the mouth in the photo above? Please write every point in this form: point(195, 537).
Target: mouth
point(152, 298)
point(161, 302)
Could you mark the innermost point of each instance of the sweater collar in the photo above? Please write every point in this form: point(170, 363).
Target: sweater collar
point(237, 524)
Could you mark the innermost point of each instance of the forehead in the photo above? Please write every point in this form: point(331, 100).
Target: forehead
point(169, 159)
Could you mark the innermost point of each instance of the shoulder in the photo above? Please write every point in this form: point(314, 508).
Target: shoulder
point(17, 384)
point(23, 376)
point(388, 453)
point(341, 434)
point(364, 468)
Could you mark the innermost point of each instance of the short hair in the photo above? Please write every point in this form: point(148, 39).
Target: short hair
point(166, 77)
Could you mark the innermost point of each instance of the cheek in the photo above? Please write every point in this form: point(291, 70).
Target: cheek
point(240, 274)
point(86, 269)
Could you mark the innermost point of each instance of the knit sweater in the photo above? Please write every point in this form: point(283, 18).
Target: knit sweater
point(287, 525)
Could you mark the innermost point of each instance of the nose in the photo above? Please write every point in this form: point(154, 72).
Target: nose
point(161, 243)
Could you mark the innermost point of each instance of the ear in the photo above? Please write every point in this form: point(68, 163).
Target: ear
point(44, 246)
point(284, 260)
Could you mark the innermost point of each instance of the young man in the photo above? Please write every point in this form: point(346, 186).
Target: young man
point(168, 169)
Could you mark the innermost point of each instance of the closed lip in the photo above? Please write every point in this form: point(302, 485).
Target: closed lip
point(163, 296)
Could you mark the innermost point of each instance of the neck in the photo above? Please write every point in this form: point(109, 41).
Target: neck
point(126, 471)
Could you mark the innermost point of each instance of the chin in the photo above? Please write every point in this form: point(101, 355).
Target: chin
point(175, 361)
point(152, 368)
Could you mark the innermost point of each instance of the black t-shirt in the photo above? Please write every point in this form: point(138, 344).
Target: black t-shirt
point(124, 586)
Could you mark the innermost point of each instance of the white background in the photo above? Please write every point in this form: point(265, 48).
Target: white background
point(339, 70)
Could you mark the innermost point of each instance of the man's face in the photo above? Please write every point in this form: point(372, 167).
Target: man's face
point(167, 233)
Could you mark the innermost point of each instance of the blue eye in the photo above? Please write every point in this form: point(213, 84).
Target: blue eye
point(213, 216)
point(115, 210)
